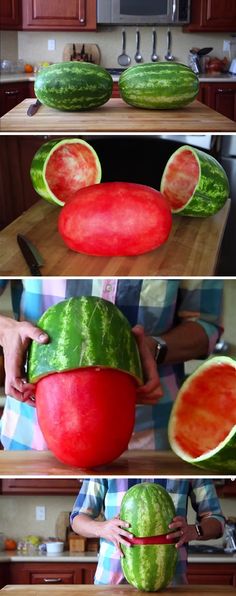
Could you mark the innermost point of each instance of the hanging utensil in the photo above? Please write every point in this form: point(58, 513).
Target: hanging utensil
point(124, 59)
point(169, 56)
point(154, 56)
point(138, 56)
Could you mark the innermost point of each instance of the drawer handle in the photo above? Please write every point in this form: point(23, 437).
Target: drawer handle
point(225, 90)
point(52, 580)
point(15, 92)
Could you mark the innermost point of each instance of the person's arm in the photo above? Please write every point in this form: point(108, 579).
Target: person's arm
point(112, 530)
point(184, 532)
point(186, 341)
point(15, 338)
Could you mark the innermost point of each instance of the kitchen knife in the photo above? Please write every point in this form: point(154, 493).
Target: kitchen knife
point(143, 540)
point(30, 254)
point(33, 108)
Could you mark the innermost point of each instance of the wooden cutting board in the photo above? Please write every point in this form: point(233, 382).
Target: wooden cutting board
point(131, 463)
point(125, 590)
point(116, 115)
point(192, 248)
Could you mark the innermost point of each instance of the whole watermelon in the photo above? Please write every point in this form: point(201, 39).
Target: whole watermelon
point(149, 510)
point(207, 401)
point(61, 167)
point(73, 86)
point(87, 377)
point(158, 86)
point(194, 183)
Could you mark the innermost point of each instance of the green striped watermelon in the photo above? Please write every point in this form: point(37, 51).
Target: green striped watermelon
point(61, 167)
point(194, 183)
point(202, 426)
point(161, 85)
point(149, 510)
point(84, 332)
point(73, 86)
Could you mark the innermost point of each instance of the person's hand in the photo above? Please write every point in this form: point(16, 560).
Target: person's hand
point(182, 531)
point(15, 339)
point(113, 531)
point(151, 391)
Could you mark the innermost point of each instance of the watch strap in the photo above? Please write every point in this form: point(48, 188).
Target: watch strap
point(160, 350)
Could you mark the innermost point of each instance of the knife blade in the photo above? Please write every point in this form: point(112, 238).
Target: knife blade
point(30, 254)
point(33, 108)
point(143, 540)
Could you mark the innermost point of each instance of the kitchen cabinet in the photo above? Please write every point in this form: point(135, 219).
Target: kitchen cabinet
point(221, 97)
point(212, 15)
point(10, 14)
point(212, 574)
point(66, 15)
point(52, 573)
point(40, 486)
point(4, 574)
point(226, 488)
point(11, 94)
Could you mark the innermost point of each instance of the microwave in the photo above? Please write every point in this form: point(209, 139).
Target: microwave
point(143, 12)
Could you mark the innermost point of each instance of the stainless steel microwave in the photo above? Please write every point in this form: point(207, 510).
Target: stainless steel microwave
point(143, 12)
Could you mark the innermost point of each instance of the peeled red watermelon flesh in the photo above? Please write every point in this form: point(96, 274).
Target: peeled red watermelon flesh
point(202, 427)
point(86, 415)
point(61, 167)
point(194, 183)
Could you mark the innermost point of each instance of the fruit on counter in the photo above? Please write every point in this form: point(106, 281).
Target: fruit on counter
point(10, 544)
point(73, 86)
point(28, 68)
point(34, 540)
point(160, 85)
point(84, 331)
point(61, 167)
point(194, 183)
point(149, 510)
point(202, 426)
point(115, 219)
point(86, 415)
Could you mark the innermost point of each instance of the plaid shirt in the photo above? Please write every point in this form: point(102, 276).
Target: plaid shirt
point(158, 305)
point(104, 496)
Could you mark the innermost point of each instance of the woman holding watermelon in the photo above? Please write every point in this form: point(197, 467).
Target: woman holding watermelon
point(173, 321)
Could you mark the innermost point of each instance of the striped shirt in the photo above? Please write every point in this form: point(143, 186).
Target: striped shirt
point(99, 496)
point(158, 305)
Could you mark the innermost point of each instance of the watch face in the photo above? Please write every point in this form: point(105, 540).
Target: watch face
point(161, 350)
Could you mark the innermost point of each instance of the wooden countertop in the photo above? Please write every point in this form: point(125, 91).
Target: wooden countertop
point(131, 463)
point(192, 248)
point(116, 115)
point(125, 590)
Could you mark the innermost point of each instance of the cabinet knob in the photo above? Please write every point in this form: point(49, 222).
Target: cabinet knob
point(15, 92)
point(52, 580)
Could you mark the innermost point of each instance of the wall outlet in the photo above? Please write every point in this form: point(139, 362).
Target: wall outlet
point(226, 45)
point(51, 45)
point(40, 513)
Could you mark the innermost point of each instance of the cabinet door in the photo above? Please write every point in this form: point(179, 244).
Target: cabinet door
point(212, 15)
point(55, 16)
point(40, 486)
point(211, 574)
point(225, 101)
point(52, 579)
point(10, 14)
point(11, 94)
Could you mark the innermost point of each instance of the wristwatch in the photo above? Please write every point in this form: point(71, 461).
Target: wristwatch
point(160, 350)
point(199, 530)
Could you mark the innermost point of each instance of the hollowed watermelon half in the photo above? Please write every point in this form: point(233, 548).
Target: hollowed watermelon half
point(61, 167)
point(202, 426)
point(194, 183)
point(86, 415)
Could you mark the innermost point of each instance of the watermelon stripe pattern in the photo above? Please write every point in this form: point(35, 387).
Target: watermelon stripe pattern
point(39, 165)
point(149, 509)
point(212, 189)
point(162, 85)
point(73, 86)
point(85, 331)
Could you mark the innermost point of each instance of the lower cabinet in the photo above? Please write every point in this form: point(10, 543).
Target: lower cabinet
point(221, 97)
point(212, 573)
point(52, 573)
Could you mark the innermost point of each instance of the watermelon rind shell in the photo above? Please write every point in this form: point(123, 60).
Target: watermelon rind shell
point(162, 85)
point(149, 509)
point(73, 86)
point(39, 165)
point(84, 331)
point(212, 189)
point(223, 457)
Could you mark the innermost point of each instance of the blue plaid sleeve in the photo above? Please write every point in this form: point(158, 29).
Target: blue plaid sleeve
point(202, 301)
point(90, 499)
point(3, 284)
point(204, 500)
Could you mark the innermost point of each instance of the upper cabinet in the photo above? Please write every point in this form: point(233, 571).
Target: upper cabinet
point(212, 15)
point(66, 15)
point(10, 14)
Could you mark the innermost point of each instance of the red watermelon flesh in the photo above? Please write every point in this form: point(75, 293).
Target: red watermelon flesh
point(181, 179)
point(86, 415)
point(206, 412)
point(69, 168)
